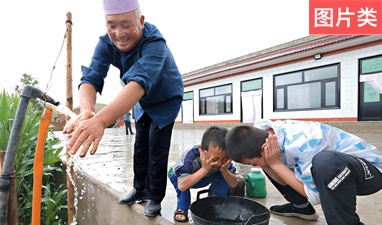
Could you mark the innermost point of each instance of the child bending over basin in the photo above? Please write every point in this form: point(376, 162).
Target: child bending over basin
point(310, 163)
point(200, 166)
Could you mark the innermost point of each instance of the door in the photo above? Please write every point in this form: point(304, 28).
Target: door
point(251, 106)
point(370, 89)
point(188, 111)
point(370, 107)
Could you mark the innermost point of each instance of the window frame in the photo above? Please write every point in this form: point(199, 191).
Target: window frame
point(322, 82)
point(203, 101)
point(366, 59)
point(186, 94)
point(251, 89)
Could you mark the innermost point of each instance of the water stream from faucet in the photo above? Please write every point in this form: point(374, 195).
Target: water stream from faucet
point(72, 161)
point(71, 164)
point(65, 110)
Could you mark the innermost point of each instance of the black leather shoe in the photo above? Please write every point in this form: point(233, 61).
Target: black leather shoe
point(133, 196)
point(152, 208)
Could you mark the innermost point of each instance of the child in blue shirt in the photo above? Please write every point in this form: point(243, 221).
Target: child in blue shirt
point(201, 166)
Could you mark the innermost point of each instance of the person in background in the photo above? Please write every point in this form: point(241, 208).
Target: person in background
point(127, 118)
point(154, 86)
point(200, 166)
point(310, 163)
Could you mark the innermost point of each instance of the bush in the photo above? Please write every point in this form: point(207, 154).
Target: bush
point(53, 202)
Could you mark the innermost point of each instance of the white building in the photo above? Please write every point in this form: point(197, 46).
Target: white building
point(320, 78)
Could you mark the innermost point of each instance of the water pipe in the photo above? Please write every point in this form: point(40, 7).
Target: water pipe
point(38, 165)
point(5, 178)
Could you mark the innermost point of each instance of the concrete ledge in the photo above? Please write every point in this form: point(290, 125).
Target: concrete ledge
point(109, 176)
point(97, 204)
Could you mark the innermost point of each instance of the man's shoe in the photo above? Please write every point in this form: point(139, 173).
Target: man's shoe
point(307, 213)
point(133, 196)
point(152, 208)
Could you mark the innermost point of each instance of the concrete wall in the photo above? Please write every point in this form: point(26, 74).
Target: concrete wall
point(97, 205)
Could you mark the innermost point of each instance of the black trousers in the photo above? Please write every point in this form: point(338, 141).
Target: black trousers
point(339, 179)
point(151, 151)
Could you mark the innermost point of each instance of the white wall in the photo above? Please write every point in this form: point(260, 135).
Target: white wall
point(348, 87)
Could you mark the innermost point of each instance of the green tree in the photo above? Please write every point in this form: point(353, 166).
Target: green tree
point(29, 79)
point(26, 79)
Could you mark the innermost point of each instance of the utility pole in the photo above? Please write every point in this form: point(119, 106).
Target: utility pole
point(69, 104)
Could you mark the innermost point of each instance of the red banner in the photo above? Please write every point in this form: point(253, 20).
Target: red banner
point(345, 17)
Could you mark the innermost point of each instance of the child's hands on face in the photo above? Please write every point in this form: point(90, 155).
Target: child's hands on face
point(225, 165)
point(272, 150)
point(207, 162)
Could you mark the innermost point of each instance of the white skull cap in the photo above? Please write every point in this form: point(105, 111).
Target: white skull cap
point(119, 6)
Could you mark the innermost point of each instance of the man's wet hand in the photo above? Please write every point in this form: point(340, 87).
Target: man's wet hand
point(87, 134)
point(74, 122)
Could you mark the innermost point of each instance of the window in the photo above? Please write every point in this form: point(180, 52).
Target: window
point(316, 88)
point(216, 100)
point(251, 85)
point(188, 96)
point(371, 65)
point(371, 78)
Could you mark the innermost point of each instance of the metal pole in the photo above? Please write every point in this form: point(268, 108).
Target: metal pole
point(6, 172)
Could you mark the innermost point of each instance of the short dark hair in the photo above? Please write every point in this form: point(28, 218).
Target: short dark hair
point(245, 141)
point(214, 136)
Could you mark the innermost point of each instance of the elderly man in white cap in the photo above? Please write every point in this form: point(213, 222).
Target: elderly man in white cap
point(154, 87)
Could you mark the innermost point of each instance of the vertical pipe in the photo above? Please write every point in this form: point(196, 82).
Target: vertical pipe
point(38, 166)
point(12, 216)
point(8, 166)
point(69, 104)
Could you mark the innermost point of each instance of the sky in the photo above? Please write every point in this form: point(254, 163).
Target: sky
point(199, 33)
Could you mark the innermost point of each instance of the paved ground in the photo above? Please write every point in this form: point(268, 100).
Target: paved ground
point(112, 165)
